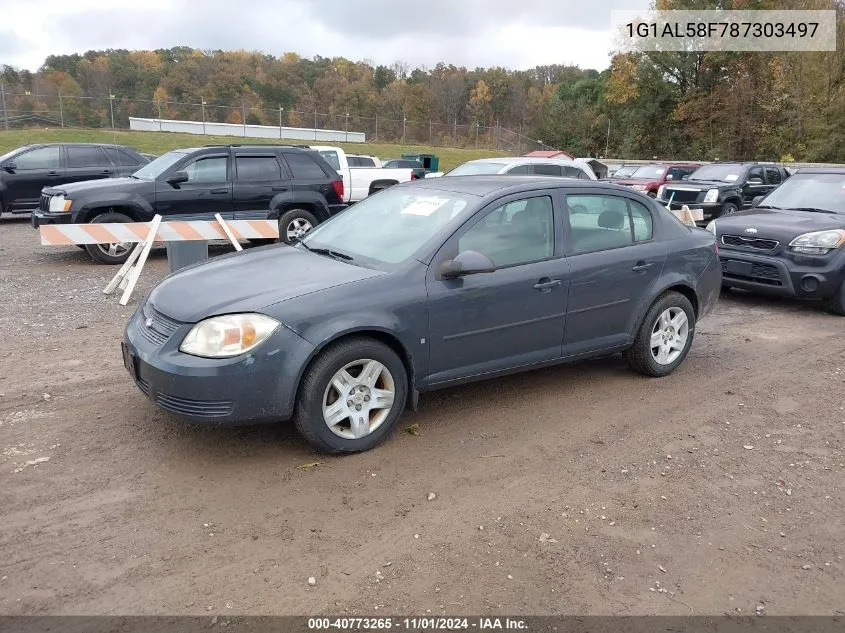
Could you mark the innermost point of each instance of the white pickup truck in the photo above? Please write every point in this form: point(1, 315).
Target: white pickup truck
point(360, 182)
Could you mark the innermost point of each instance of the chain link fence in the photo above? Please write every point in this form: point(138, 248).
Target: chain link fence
point(110, 112)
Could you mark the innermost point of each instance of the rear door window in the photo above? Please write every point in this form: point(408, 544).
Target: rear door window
point(547, 170)
point(121, 158)
point(601, 222)
point(303, 166)
point(255, 168)
point(85, 156)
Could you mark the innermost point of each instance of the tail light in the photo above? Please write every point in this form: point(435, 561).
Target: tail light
point(413, 176)
point(338, 188)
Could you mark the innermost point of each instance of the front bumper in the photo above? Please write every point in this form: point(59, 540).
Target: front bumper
point(39, 218)
point(256, 387)
point(803, 276)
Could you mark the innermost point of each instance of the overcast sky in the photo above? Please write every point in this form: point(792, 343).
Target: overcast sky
point(515, 34)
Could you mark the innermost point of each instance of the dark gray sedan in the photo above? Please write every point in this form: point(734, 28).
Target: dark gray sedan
point(422, 286)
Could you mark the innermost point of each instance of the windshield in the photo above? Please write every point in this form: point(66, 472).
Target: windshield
point(820, 191)
point(649, 171)
point(624, 171)
point(156, 168)
point(476, 169)
point(331, 158)
point(8, 155)
point(388, 228)
point(721, 173)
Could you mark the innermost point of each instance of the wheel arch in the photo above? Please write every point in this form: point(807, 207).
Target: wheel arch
point(133, 211)
point(379, 185)
point(378, 334)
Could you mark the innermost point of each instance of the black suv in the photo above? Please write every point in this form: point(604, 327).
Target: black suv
point(28, 169)
point(792, 243)
point(721, 189)
point(240, 182)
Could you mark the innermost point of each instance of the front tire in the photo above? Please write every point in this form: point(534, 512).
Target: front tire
point(294, 223)
point(351, 396)
point(664, 338)
point(837, 302)
point(729, 208)
point(112, 254)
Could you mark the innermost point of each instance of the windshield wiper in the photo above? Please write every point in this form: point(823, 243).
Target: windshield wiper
point(329, 253)
point(813, 210)
point(766, 206)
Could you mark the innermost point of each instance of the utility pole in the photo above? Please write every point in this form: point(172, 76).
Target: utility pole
point(202, 106)
point(281, 109)
point(607, 140)
point(429, 131)
point(243, 113)
point(347, 127)
point(376, 139)
point(497, 135)
point(315, 122)
point(477, 130)
point(111, 108)
point(456, 130)
point(3, 99)
point(404, 122)
point(61, 109)
point(158, 107)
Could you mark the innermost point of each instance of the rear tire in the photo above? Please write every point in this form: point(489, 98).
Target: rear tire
point(294, 223)
point(664, 338)
point(112, 254)
point(836, 303)
point(343, 409)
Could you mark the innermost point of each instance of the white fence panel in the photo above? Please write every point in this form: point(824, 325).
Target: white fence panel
point(248, 131)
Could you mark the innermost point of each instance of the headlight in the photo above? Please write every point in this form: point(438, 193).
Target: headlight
point(660, 190)
point(818, 242)
point(59, 204)
point(228, 335)
point(638, 187)
point(712, 195)
point(711, 226)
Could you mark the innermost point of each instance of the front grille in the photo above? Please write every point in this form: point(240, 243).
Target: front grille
point(749, 242)
point(161, 327)
point(680, 196)
point(766, 274)
point(44, 203)
point(196, 408)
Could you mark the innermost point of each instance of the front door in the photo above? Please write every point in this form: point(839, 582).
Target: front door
point(208, 190)
point(509, 318)
point(614, 262)
point(258, 179)
point(755, 185)
point(34, 170)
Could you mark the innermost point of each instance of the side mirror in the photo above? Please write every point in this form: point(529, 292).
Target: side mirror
point(670, 177)
point(685, 177)
point(467, 263)
point(755, 181)
point(10, 167)
point(757, 200)
point(177, 178)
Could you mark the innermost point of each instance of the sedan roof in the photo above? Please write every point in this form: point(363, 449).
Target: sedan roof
point(487, 184)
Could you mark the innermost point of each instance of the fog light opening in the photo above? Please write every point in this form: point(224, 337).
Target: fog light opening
point(810, 283)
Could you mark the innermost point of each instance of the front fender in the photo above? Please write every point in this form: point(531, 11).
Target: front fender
point(142, 210)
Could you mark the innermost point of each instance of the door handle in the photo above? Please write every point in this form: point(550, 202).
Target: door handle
point(108, 171)
point(221, 190)
point(278, 188)
point(642, 266)
point(547, 284)
point(52, 173)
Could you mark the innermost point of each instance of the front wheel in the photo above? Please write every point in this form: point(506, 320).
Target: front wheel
point(295, 223)
point(116, 253)
point(664, 338)
point(729, 208)
point(351, 396)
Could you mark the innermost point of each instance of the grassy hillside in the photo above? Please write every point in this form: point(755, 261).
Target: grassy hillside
point(161, 142)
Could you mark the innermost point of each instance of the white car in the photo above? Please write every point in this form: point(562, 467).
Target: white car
point(360, 182)
point(524, 165)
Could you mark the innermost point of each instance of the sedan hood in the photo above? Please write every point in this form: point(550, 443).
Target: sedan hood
point(112, 184)
point(249, 282)
point(778, 224)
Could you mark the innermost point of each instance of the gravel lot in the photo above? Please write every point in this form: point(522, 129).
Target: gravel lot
point(579, 489)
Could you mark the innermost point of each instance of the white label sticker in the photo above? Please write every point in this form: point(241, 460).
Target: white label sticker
point(731, 177)
point(424, 206)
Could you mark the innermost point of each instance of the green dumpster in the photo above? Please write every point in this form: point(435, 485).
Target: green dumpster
point(429, 161)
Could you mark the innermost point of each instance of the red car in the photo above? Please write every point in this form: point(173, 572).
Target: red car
point(648, 178)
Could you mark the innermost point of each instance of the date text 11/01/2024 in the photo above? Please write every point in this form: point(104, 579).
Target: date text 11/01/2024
point(721, 29)
point(417, 624)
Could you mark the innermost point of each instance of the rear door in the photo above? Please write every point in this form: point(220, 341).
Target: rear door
point(208, 190)
point(614, 261)
point(87, 162)
point(258, 179)
point(34, 169)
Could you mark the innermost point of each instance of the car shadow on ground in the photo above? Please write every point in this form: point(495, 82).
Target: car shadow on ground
point(744, 299)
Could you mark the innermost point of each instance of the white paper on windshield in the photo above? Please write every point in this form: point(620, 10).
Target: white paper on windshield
point(731, 177)
point(424, 206)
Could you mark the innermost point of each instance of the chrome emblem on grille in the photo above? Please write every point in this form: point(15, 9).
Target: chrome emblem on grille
point(148, 322)
point(751, 231)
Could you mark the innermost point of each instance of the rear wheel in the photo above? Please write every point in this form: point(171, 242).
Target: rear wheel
point(351, 396)
point(664, 338)
point(729, 208)
point(294, 223)
point(116, 253)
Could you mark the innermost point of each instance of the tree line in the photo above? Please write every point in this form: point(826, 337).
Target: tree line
point(768, 106)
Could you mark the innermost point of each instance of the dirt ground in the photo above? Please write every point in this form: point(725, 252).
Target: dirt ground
point(581, 489)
